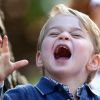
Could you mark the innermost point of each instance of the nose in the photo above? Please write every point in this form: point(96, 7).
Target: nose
point(64, 36)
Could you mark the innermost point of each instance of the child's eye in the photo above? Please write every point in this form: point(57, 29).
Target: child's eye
point(54, 34)
point(76, 36)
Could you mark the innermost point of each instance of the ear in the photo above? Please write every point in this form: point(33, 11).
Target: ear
point(94, 63)
point(39, 61)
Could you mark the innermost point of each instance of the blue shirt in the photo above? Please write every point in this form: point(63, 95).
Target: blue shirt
point(46, 89)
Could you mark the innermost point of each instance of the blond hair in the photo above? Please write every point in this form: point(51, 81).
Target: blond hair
point(88, 24)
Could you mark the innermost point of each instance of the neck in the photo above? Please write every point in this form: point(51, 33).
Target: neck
point(72, 82)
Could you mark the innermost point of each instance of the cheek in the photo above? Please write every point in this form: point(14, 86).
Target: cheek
point(83, 52)
point(47, 48)
point(46, 45)
point(47, 52)
point(84, 48)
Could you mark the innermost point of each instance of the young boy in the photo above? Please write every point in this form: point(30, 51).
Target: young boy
point(68, 51)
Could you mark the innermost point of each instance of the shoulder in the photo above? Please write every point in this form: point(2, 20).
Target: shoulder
point(90, 93)
point(21, 88)
point(20, 92)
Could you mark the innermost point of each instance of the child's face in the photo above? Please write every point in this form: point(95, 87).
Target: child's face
point(66, 48)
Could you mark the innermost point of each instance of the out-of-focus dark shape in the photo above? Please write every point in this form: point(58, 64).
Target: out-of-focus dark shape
point(15, 78)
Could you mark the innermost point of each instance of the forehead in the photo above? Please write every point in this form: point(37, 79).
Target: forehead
point(64, 21)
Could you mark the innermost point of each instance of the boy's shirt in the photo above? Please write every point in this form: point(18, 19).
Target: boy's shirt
point(48, 89)
point(95, 84)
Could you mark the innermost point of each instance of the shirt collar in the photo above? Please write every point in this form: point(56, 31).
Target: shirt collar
point(93, 90)
point(47, 85)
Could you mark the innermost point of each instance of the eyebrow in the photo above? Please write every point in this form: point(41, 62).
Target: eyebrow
point(76, 29)
point(52, 28)
point(59, 28)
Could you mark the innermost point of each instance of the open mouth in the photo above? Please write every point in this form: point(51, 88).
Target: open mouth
point(62, 51)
